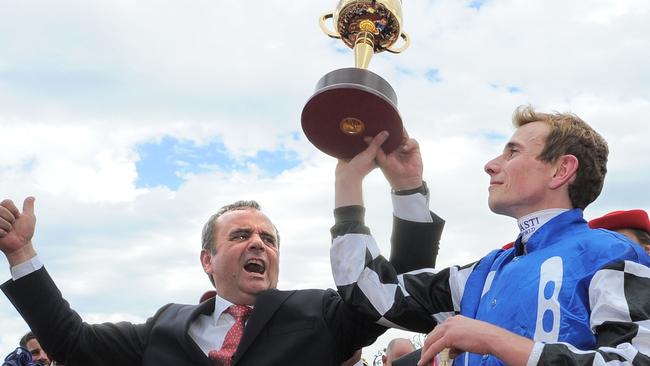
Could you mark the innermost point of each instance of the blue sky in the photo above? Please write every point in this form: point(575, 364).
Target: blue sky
point(477, 4)
point(168, 161)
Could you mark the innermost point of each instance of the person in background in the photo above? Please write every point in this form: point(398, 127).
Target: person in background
point(395, 349)
point(20, 357)
point(30, 343)
point(634, 224)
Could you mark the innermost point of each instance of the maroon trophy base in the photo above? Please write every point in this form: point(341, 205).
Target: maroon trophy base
point(348, 105)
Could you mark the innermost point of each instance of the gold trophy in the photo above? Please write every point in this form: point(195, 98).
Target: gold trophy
point(352, 103)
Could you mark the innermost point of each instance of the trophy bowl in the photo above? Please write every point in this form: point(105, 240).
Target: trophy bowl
point(352, 103)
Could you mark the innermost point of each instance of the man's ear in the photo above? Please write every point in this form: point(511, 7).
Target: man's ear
point(566, 168)
point(206, 261)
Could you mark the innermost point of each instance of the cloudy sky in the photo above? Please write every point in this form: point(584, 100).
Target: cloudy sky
point(132, 122)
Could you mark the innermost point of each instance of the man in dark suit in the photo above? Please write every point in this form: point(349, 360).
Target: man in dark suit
point(250, 322)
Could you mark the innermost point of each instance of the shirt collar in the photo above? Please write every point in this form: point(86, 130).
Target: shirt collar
point(553, 231)
point(532, 222)
point(220, 306)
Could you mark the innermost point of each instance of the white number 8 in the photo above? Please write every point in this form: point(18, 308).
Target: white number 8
point(548, 306)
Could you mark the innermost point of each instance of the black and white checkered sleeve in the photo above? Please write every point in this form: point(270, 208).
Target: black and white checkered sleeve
point(619, 298)
point(416, 300)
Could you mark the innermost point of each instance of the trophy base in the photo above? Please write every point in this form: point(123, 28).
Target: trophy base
point(348, 105)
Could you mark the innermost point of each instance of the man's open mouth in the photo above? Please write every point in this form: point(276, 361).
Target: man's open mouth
point(255, 266)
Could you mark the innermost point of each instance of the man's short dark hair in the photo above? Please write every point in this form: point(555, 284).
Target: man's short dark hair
point(26, 338)
point(209, 229)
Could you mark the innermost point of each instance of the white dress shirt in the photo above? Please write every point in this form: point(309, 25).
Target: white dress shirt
point(209, 331)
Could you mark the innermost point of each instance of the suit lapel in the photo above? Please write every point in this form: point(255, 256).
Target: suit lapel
point(183, 335)
point(266, 304)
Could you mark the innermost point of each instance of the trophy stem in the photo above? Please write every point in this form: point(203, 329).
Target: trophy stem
point(364, 48)
point(364, 45)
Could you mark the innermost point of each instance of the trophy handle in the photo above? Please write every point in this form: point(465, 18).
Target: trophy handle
point(323, 27)
point(407, 42)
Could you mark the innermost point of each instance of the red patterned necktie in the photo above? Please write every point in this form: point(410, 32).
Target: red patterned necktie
point(230, 343)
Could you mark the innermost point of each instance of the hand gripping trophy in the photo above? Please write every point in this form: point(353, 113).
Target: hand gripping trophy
point(352, 103)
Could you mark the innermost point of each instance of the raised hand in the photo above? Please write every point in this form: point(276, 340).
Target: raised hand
point(17, 230)
point(350, 174)
point(402, 167)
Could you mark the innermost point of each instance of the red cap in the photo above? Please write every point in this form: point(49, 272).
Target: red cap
point(632, 219)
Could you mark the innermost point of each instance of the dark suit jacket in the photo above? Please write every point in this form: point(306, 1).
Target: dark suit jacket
point(300, 327)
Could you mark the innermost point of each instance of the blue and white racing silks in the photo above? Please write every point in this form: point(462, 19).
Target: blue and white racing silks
point(583, 295)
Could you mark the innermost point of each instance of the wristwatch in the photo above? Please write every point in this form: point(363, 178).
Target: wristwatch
point(423, 189)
